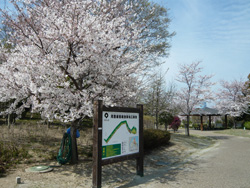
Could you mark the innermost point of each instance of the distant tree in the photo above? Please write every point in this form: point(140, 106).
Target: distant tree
point(246, 115)
point(166, 118)
point(196, 89)
point(154, 100)
point(158, 98)
point(233, 99)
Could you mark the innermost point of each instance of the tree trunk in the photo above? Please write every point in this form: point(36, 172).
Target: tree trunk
point(166, 126)
point(47, 123)
point(187, 126)
point(157, 113)
point(74, 152)
point(8, 121)
point(157, 107)
point(156, 118)
point(234, 123)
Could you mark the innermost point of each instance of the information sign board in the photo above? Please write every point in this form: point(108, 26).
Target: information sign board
point(120, 134)
point(117, 136)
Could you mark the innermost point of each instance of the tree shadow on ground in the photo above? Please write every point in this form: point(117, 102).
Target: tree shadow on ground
point(83, 168)
point(165, 164)
point(161, 165)
point(162, 169)
point(219, 137)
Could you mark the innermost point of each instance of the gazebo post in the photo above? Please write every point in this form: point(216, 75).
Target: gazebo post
point(210, 127)
point(226, 121)
point(210, 112)
point(201, 123)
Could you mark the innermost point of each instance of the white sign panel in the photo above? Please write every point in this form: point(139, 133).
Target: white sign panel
point(120, 134)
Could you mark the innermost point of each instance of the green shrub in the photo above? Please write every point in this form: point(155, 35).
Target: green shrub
point(184, 122)
point(154, 138)
point(247, 125)
point(196, 126)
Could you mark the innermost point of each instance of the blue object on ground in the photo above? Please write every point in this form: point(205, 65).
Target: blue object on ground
point(77, 132)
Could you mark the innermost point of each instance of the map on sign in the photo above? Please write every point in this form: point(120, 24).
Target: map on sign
point(133, 130)
point(120, 134)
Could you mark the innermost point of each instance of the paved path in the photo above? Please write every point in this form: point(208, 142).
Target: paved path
point(225, 165)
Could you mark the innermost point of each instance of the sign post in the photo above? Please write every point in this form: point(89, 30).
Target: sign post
point(139, 160)
point(117, 136)
point(97, 139)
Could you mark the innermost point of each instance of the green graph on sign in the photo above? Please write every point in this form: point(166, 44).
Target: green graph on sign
point(133, 130)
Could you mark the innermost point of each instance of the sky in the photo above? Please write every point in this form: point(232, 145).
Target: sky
point(216, 32)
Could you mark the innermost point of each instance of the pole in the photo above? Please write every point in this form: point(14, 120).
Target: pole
point(226, 121)
point(210, 122)
point(139, 160)
point(201, 123)
point(97, 144)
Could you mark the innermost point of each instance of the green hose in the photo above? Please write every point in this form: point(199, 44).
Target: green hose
point(64, 154)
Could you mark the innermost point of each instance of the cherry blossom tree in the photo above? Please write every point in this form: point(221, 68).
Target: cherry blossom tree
point(233, 98)
point(247, 84)
point(196, 89)
point(157, 24)
point(69, 53)
point(246, 115)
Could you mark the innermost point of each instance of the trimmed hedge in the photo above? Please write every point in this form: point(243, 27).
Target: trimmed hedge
point(247, 125)
point(154, 138)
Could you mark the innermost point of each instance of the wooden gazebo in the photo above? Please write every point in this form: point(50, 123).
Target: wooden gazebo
point(205, 111)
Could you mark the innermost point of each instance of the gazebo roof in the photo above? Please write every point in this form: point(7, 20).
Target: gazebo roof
point(205, 111)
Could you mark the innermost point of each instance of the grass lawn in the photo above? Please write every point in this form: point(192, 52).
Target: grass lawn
point(236, 132)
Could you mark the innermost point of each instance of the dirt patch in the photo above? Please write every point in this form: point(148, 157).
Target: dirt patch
point(160, 165)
